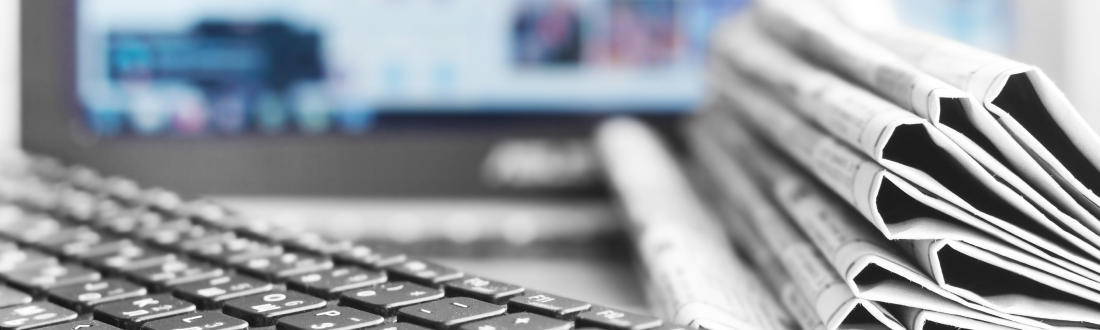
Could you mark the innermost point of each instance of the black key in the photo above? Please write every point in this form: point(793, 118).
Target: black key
point(442, 314)
point(520, 321)
point(12, 297)
point(6, 245)
point(198, 321)
point(131, 257)
point(329, 283)
point(213, 292)
point(70, 241)
point(266, 231)
point(174, 272)
point(20, 259)
point(131, 313)
point(33, 315)
point(30, 228)
point(286, 264)
point(482, 289)
point(209, 238)
point(262, 310)
point(547, 304)
point(236, 250)
point(81, 325)
point(132, 220)
point(368, 257)
point(386, 298)
point(399, 326)
point(172, 233)
point(332, 318)
point(106, 247)
point(608, 318)
point(423, 272)
point(52, 276)
point(80, 297)
point(318, 244)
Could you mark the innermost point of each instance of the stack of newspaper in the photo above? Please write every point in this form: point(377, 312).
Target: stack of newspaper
point(885, 178)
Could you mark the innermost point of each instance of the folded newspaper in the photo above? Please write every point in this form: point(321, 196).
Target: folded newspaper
point(886, 178)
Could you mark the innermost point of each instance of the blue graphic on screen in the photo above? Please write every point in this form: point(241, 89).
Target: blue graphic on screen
point(275, 67)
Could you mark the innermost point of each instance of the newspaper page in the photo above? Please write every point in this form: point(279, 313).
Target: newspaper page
point(900, 141)
point(1024, 100)
point(867, 261)
point(762, 227)
point(682, 247)
point(814, 32)
point(820, 154)
point(766, 265)
point(918, 319)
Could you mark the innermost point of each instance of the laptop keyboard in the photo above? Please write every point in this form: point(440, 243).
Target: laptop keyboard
point(83, 251)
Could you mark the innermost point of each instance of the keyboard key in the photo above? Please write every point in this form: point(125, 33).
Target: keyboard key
point(198, 321)
point(442, 314)
point(171, 233)
point(131, 313)
point(520, 321)
point(236, 250)
point(70, 241)
point(332, 318)
point(368, 257)
point(318, 244)
point(213, 292)
point(209, 238)
point(423, 272)
point(11, 297)
point(399, 326)
point(266, 231)
point(33, 315)
point(481, 289)
point(548, 305)
point(386, 298)
point(131, 257)
point(30, 228)
point(263, 309)
point(286, 264)
point(80, 297)
point(81, 325)
point(608, 318)
point(132, 220)
point(52, 276)
point(15, 260)
point(174, 272)
point(329, 283)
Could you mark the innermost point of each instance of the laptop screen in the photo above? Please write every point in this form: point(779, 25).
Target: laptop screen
point(278, 67)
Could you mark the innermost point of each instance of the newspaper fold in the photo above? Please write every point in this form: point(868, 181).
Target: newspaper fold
point(899, 140)
point(1022, 98)
point(684, 249)
point(850, 174)
point(814, 32)
point(782, 286)
point(919, 319)
point(761, 226)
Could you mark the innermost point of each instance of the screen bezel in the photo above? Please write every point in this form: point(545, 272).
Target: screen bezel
point(406, 155)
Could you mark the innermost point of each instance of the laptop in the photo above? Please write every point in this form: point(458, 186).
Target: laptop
point(457, 129)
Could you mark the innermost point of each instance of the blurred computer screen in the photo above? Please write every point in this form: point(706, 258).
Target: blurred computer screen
point(213, 67)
